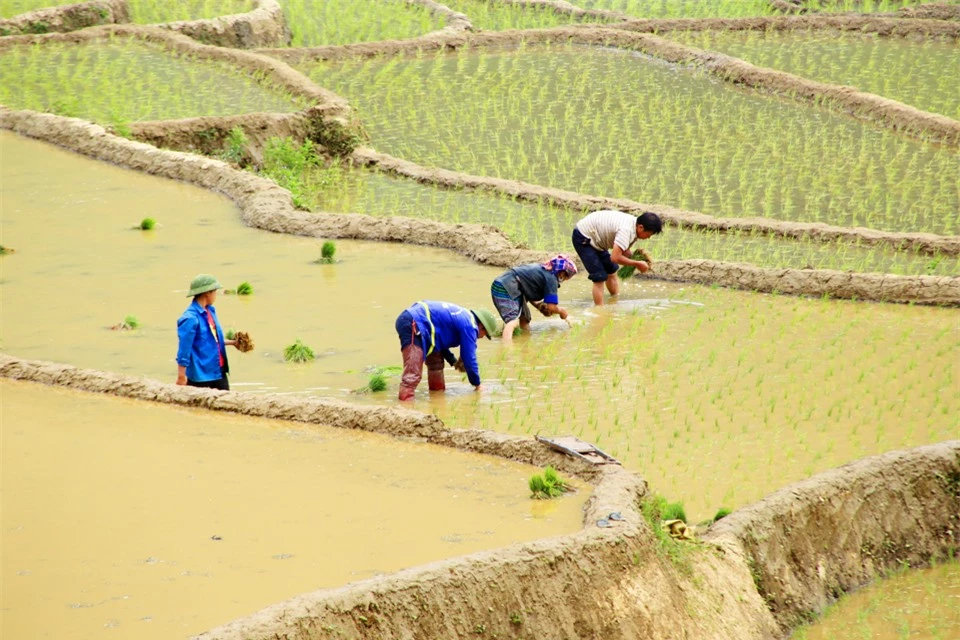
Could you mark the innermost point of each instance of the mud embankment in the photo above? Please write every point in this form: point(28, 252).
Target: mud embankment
point(795, 551)
point(265, 26)
point(868, 107)
point(264, 205)
point(814, 540)
point(68, 17)
point(933, 10)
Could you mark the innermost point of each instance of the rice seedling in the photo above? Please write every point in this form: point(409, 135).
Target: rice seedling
point(146, 224)
point(377, 382)
point(129, 323)
point(328, 251)
point(613, 123)
point(243, 289)
point(332, 22)
point(6, 250)
point(153, 12)
point(118, 80)
point(722, 513)
point(547, 485)
point(298, 352)
point(923, 73)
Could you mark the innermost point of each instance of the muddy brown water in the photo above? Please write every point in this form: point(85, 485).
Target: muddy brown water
point(130, 519)
point(917, 604)
point(717, 397)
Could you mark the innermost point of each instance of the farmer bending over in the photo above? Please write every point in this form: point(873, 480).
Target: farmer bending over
point(202, 354)
point(534, 283)
point(603, 240)
point(428, 330)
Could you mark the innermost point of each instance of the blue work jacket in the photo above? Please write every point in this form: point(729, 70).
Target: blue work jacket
point(198, 347)
point(444, 325)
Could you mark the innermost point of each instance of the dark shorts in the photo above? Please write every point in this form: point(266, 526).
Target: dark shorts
point(223, 384)
point(597, 263)
point(509, 308)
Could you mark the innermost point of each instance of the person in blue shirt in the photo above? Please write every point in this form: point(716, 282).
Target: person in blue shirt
point(428, 330)
point(202, 351)
point(533, 283)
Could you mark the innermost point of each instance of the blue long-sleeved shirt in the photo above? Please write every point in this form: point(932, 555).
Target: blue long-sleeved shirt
point(198, 349)
point(446, 327)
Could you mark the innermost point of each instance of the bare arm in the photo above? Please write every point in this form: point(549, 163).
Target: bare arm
point(181, 375)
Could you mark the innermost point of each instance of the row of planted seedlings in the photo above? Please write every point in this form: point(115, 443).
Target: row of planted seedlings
point(613, 122)
point(741, 8)
point(921, 73)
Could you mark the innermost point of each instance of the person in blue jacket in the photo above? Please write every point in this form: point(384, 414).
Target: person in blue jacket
point(202, 351)
point(428, 330)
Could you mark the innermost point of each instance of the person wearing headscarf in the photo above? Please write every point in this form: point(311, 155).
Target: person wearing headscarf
point(536, 284)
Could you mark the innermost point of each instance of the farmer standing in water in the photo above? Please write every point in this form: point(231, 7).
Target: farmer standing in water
point(603, 239)
point(202, 351)
point(428, 330)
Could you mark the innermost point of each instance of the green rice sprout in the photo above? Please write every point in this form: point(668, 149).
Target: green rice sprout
point(147, 224)
point(377, 382)
point(230, 334)
point(722, 513)
point(298, 352)
point(327, 252)
point(547, 485)
point(244, 289)
point(129, 322)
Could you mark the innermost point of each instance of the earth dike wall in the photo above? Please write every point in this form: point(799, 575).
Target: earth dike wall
point(265, 205)
point(265, 26)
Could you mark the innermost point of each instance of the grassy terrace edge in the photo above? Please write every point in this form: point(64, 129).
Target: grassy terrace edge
point(871, 108)
point(265, 205)
point(758, 572)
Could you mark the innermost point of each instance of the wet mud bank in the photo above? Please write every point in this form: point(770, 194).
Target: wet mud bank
point(68, 17)
point(264, 205)
point(924, 243)
point(868, 107)
point(754, 574)
point(265, 26)
point(816, 539)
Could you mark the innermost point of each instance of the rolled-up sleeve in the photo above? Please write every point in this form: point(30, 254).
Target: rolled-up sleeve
point(186, 333)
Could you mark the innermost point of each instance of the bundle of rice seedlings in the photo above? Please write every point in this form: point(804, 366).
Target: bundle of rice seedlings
point(298, 352)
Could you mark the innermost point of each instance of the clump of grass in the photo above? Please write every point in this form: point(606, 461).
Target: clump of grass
point(298, 352)
point(377, 382)
point(327, 252)
point(147, 224)
point(236, 149)
point(547, 485)
point(5, 250)
point(284, 161)
point(129, 322)
point(722, 513)
point(656, 510)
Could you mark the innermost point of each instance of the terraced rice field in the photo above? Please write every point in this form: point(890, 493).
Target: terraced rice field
point(128, 81)
point(332, 22)
point(923, 74)
point(153, 12)
point(618, 124)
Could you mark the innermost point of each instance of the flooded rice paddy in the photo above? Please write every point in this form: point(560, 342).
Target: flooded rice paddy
point(128, 81)
point(497, 16)
point(10, 8)
point(717, 397)
point(138, 520)
point(922, 74)
point(620, 124)
point(921, 604)
point(373, 193)
point(332, 22)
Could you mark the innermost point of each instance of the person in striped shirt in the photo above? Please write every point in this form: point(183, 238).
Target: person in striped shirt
point(603, 239)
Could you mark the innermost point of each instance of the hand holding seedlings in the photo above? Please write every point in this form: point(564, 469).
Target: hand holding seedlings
point(242, 341)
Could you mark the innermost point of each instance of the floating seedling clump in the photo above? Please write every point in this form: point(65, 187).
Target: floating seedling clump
point(5, 250)
point(378, 382)
point(129, 322)
point(243, 289)
point(147, 224)
point(547, 485)
point(298, 352)
point(327, 252)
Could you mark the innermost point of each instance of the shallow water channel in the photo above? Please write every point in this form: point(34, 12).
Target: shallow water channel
point(132, 519)
point(717, 397)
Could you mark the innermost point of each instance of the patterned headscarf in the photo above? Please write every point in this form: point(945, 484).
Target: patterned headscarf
point(561, 263)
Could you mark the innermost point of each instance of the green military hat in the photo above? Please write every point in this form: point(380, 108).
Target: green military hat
point(488, 320)
point(203, 283)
